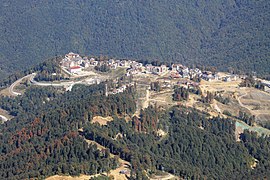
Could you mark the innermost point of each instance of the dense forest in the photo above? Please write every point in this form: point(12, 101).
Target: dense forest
point(195, 147)
point(230, 34)
point(43, 138)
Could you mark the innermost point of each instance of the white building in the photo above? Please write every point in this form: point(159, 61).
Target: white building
point(75, 69)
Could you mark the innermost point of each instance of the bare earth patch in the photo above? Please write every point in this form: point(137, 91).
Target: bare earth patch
point(58, 177)
point(102, 120)
point(5, 92)
point(161, 133)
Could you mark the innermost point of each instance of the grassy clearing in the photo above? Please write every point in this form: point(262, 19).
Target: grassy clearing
point(241, 126)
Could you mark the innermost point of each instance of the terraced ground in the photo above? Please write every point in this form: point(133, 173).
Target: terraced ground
point(257, 102)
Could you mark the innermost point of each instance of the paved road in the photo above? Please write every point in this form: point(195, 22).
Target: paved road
point(11, 88)
point(4, 118)
point(165, 177)
point(69, 84)
point(48, 83)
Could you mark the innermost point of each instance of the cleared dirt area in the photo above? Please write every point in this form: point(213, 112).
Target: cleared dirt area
point(58, 177)
point(102, 120)
point(219, 86)
point(161, 133)
point(5, 92)
point(257, 102)
point(259, 95)
point(249, 100)
point(261, 118)
point(5, 114)
point(161, 99)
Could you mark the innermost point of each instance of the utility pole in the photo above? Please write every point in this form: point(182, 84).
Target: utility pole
point(106, 90)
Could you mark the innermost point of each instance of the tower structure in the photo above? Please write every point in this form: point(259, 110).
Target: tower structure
point(106, 90)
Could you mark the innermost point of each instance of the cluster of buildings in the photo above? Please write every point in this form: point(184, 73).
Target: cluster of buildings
point(209, 76)
point(138, 68)
point(180, 71)
point(74, 63)
point(117, 90)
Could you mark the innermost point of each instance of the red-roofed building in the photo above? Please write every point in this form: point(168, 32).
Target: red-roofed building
point(75, 69)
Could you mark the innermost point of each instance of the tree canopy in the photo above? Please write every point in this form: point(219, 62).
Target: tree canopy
point(230, 34)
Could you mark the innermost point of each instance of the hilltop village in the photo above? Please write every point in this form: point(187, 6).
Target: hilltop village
point(168, 76)
point(75, 65)
point(161, 84)
point(149, 90)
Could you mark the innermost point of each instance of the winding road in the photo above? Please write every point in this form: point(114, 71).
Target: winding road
point(4, 118)
point(241, 104)
point(69, 84)
point(11, 88)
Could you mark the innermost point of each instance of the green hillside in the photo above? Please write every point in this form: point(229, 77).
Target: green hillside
point(43, 138)
point(230, 33)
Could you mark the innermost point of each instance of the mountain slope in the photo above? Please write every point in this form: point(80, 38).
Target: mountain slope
point(230, 33)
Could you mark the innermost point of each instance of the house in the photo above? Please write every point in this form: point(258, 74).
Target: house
point(93, 62)
point(71, 59)
point(234, 77)
point(149, 68)
point(163, 68)
point(185, 72)
point(209, 76)
point(155, 69)
point(176, 67)
point(75, 69)
point(72, 55)
point(139, 64)
point(216, 77)
point(117, 62)
point(113, 66)
point(111, 61)
point(195, 73)
point(125, 63)
point(86, 64)
point(227, 79)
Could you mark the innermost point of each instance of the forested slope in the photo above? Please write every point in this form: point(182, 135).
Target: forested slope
point(43, 138)
point(231, 33)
